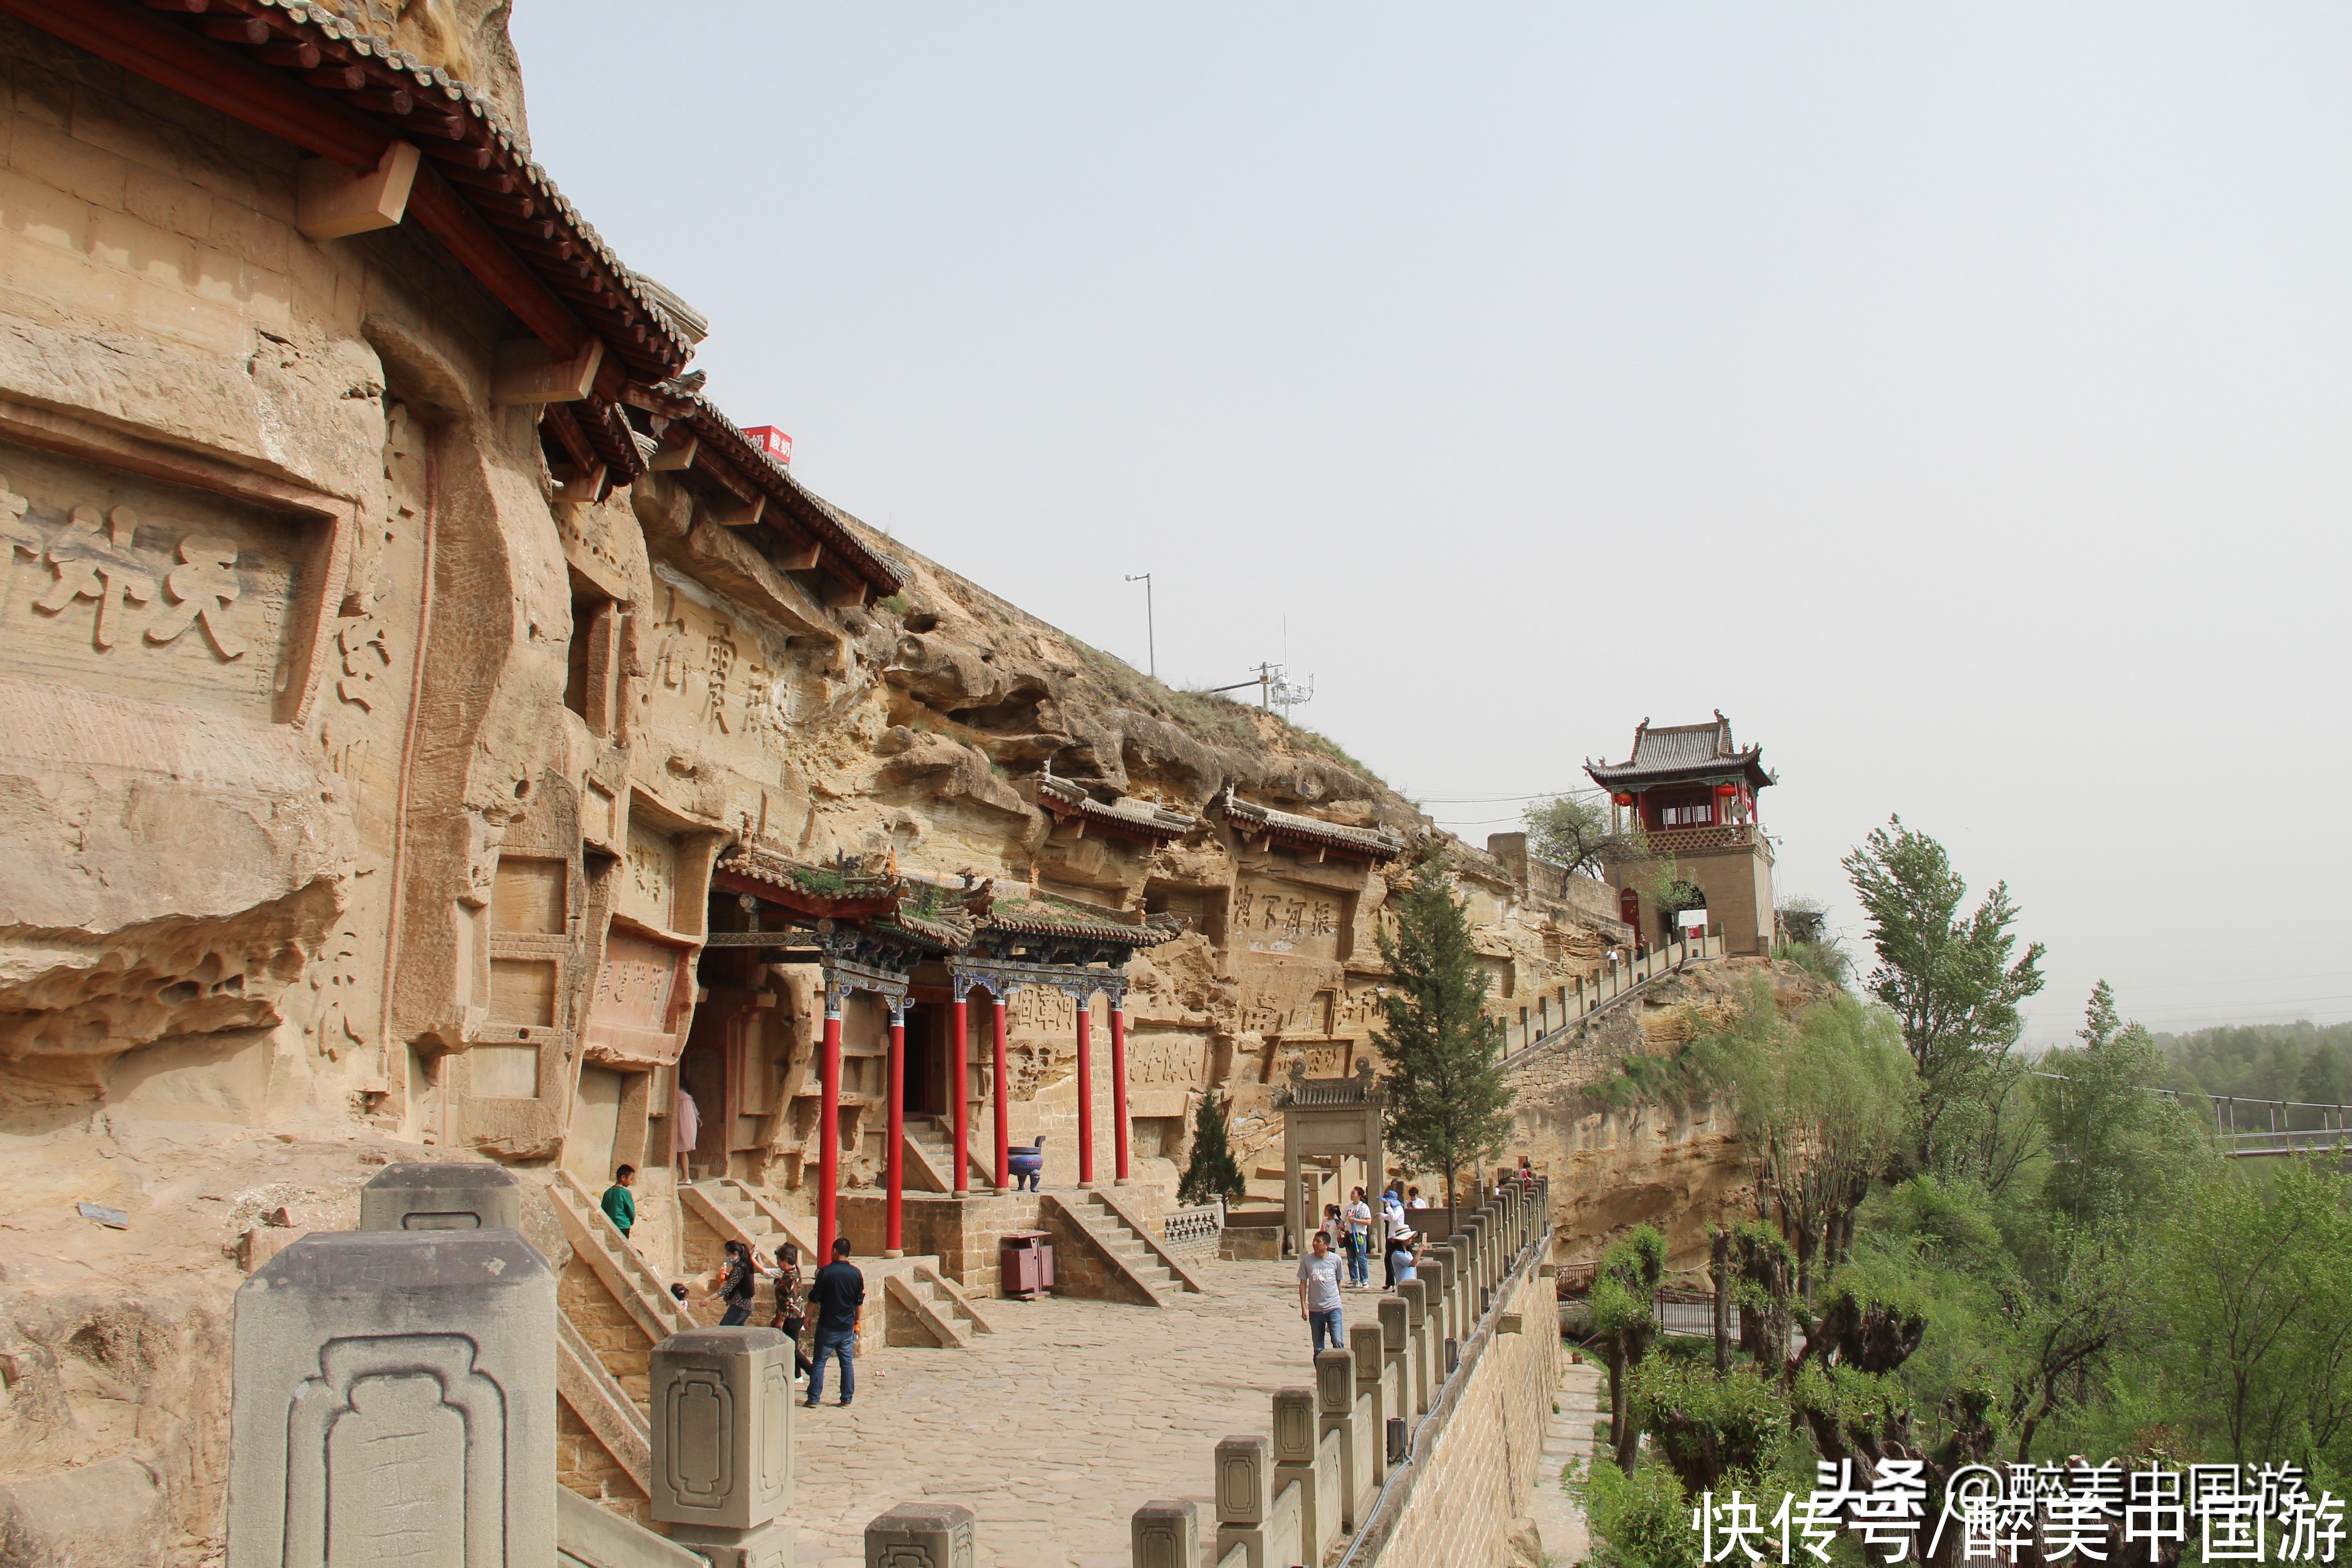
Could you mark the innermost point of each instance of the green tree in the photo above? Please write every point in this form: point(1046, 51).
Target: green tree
point(2321, 1081)
point(1448, 1105)
point(1624, 1297)
point(1573, 831)
point(1212, 1173)
point(1954, 985)
point(1824, 1108)
point(2259, 1308)
point(2117, 1146)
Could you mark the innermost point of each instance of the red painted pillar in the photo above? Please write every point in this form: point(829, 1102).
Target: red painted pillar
point(1119, 1082)
point(894, 1163)
point(1085, 1091)
point(959, 1026)
point(1003, 1112)
point(828, 1126)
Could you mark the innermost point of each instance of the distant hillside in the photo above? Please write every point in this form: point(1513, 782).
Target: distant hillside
point(2303, 1061)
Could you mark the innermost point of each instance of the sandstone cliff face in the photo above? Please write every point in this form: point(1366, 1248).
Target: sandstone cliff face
point(1678, 1167)
point(368, 770)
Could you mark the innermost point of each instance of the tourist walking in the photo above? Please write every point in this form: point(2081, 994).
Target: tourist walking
point(1319, 1292)
point(1360, 1242)
point(789, 1316)
point(738, 1284)
point(838, 1298)
point(619, 1206)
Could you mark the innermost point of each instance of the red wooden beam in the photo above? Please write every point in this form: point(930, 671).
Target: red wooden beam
point(443, 214)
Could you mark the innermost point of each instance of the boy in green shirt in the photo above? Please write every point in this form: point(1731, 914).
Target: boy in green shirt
point(619, 1207)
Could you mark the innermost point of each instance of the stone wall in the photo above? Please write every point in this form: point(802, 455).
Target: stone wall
point(1471, 1484)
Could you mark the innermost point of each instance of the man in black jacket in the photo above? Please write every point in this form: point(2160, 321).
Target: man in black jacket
point(837, 1297)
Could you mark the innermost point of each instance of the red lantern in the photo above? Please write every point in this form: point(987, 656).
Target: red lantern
point(1726, 791)
point(1622, 799)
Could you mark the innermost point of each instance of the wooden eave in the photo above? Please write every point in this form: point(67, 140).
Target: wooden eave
point(299, 72)
point(800, 901)
point(1112, 824)
point(732, 462)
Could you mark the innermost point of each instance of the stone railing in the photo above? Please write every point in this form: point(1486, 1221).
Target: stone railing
point(1569, 1005)
point(1346, 1460)
point(1195, 1231)
point(416, 1359)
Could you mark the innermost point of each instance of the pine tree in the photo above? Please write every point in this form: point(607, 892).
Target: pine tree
point(1447, 1103)
point(1212, 1173)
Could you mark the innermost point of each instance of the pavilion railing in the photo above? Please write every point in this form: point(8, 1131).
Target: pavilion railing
point(1195, 1231)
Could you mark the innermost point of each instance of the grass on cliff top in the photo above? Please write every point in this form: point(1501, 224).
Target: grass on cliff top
point(1213, 716)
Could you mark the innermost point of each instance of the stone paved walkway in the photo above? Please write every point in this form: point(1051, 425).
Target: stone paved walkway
point(1568, 1440)
point(1055, 1428)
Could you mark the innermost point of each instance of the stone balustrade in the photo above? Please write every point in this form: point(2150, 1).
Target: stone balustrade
point(1326, 1472)
point(393, 1396)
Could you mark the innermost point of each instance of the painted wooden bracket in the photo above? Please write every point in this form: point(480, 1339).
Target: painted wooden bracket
point(526, 371)
point(333, 202)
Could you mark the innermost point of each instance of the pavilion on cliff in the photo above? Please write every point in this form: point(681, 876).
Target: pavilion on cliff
point(1691, 794)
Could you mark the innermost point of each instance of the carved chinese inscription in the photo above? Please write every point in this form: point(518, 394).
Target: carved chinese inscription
point(648, 884)
point(1277, 917)
point(119, 583)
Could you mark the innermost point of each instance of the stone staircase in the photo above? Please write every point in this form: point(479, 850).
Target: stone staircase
point(1127, 1245)
point(931, 1158)
point(585, 1384)
point(738, 1213)
point(930, 1304)
point(628, 1278)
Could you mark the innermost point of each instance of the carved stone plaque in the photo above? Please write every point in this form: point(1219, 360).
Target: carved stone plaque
point(123, 583)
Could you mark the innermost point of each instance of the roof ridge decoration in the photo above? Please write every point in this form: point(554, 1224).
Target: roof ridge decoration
point(1683, 754)
point(1264, 823)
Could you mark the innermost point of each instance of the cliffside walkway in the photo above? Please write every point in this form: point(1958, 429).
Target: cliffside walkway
point(1608, 991)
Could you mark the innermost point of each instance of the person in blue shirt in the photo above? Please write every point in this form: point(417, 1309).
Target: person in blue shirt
point(620, 1206)
point(838, 1296)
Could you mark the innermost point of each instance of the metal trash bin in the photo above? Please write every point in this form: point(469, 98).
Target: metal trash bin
point(1026, 1263)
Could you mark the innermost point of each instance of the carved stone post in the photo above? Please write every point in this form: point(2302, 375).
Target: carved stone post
point(1335, 1411)
point(1437, 1303)
point(1165, 1533)
point(921, 1535)
point(722, 1443)
point(451, 1195)
point(1295, 1439)
point(1370, 1408)
point(393, 1392)
point(1244, 1496)
point(1416, 1296)
point(1396, 1361)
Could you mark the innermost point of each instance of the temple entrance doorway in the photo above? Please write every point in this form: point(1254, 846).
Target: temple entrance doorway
point(927, 1060)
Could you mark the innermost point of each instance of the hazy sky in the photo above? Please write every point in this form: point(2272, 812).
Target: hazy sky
point(1958, 402)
